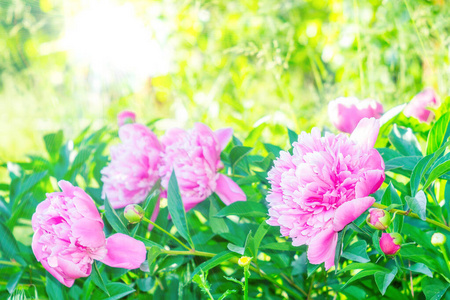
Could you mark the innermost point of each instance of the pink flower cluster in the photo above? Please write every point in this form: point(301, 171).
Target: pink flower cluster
point(134, 167)
point(323, 186)
point(140, 160)
point(68, 237)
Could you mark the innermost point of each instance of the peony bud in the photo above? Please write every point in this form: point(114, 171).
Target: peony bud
point(438, 239)
point(133, 213)
point(244, 261)
point(390, 243)
point(126, 117)
point(378, 219)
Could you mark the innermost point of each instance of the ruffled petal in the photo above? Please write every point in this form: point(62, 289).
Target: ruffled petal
point(228, 190)
point(322, 248)
point(350, 211)
point(124, 252)
point(366, 133)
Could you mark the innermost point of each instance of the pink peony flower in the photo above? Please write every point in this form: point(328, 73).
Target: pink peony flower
point(345, 113)
point(195, 157)
point(68, 236)
point(134, 166)
point(417, 107)
point(126, 117)
point(390, 243)
point(323, 186)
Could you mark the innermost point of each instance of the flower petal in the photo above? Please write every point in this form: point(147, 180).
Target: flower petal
point(372, 180)
point(350, 211)
point(89, 233)
point(366, 133)
point(223, 136)
point(322, 248)
point(228, 190)
point(124, 252)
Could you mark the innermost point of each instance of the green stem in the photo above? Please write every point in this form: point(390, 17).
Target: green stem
point(412, 215)
point(246, 274)
point(166, 232)
point(190, 252)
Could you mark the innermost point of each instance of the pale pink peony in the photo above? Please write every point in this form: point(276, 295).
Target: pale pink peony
point(133, 170)
point(418, 106)
point(323, 186)
point(125, 117)
point(195, 157)
point(68, 236)
point(345, 113)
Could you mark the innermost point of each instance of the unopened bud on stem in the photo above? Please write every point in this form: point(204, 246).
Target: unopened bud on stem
point(133, 213)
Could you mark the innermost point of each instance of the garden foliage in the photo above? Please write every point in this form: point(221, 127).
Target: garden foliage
point(221, 246)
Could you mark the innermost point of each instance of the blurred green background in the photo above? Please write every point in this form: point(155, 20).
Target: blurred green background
point(239, 63)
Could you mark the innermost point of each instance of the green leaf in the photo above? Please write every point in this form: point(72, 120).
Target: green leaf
point(293, 136)
point(13, 281)
point(391, 197)
point(376, 242)
point(237, 153)
point(439, 133)
point(236, 249)
point(216, 260)
point(418, 172)
point(98, 279)
point(339, 245)
point(359, 275)
point(434, 289)
point(421, 255)
point(404, 162)
point(249, 246)
point(114, 219)
point(116, 290)
point(280, 246)
point(364, 266)
point(259, 235)
point(147, 242)
point(383, 279)
point(357, 252)
point(4, 207)
point(418, 204)
point(217, 225)
point(273, 149)
point(27, 183)
point(176, 209)
point(438, 171)
point(153, 253)
point(53, 142)
point(55, 290)
point(404, 141)
point(420, 268)
point(244, 209)
point(8, 244)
